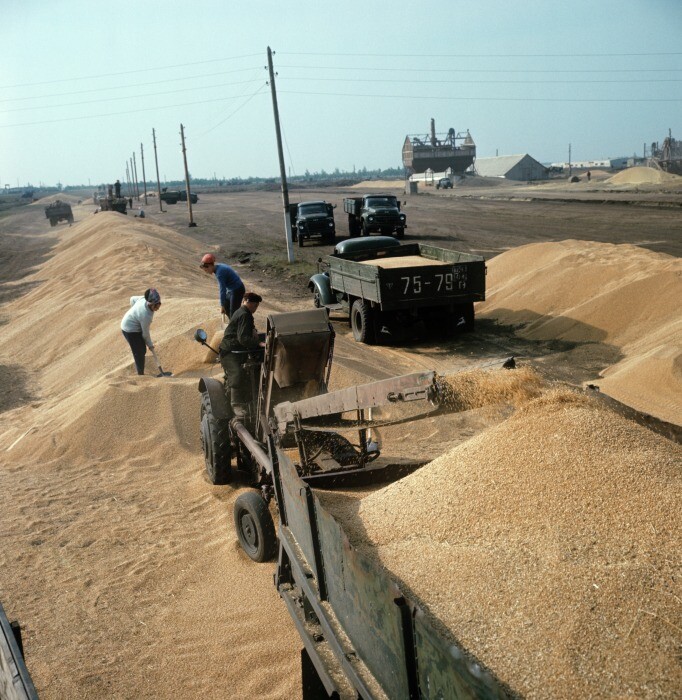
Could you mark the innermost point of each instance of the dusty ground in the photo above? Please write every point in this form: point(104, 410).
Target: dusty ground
point(117, 556)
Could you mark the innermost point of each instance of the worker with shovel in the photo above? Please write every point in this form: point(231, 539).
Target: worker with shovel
point(135, 327)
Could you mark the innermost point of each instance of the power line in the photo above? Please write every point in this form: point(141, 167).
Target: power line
point(485, 55)
point(129, 85)
point(488, 70)
point(129, 72)
point(486, 82)
point(231, 114)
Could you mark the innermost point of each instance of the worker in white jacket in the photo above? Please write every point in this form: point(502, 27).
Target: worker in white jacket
point(136, 322)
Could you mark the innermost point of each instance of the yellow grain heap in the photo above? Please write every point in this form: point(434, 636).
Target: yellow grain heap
point(548, 547)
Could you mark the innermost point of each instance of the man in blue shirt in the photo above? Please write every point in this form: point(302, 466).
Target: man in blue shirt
point(230, 283)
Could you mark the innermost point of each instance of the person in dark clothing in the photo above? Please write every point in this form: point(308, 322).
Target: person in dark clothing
point(117, 188)
point(239, 338)
point(229, 282)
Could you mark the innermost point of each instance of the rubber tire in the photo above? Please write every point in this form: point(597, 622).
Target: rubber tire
point(255, 528)
point(365, 229)
point(53, 222)
point(215, 441)
point(331, 239)
point(400, 232)
point(317, 298)
point(300, 240)
point(362, 322)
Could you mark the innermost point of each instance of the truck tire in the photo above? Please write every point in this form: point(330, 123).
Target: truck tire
point(215, 441)
point(254, 526)
point(317, 299)
point(331, 239)
point(353, 227)
point(53, 222)
point(70, 219)
point(300, 240)
point(365, 229)
point(362, 322)
point(400, 232)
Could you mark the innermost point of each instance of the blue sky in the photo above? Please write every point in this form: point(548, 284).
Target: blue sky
point(82, 84)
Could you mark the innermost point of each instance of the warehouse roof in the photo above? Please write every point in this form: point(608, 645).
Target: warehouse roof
point(500, 165)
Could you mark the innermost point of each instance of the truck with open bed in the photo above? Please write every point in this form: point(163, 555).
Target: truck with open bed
point(374, 213)
point(389, 289)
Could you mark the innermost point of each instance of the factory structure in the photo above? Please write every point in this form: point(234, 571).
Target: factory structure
point(438, 153)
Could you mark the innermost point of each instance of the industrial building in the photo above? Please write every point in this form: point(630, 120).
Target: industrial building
point(520, 167)
point(438, 152)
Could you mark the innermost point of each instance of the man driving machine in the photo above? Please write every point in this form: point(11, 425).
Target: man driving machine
point(240, 337)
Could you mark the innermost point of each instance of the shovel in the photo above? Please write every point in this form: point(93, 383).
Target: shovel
point(158, 364)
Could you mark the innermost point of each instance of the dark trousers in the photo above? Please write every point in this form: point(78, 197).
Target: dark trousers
point(234, 300)
point(139, 348)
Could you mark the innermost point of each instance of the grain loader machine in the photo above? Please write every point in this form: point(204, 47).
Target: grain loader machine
point(362, 636)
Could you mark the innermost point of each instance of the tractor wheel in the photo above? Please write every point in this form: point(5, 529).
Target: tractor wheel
point(255, 528)
point(400, 232)
point(362, 322)
point(215, 441)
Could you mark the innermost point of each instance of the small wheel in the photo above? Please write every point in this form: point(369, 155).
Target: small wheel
point(215, 442)
point(255, 528)
point(317, 298)
point(362, 322)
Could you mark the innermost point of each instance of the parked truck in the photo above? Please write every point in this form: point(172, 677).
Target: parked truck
point(58, 211)
point(312, 220)
point(374, 212)
point(171, 196)
point(362, 636)
point(390, 290)
point(194, 198)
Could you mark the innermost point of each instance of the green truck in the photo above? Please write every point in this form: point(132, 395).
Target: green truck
point(312, 220)
point(391, 290)
point(58, 211)
point(374, 213)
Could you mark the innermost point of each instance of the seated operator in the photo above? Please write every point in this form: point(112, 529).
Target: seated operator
point(240, 335)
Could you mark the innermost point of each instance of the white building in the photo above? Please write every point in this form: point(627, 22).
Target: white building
point(519, 167)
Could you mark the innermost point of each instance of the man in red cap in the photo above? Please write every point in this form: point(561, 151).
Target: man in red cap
point(230, 283)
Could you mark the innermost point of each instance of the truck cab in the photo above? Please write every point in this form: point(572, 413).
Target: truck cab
point(313, 219)
point(375, 213)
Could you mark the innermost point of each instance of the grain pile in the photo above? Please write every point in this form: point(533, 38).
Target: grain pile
point(643, 176)
point(548, 547)
point(118, 558)
point(621, 296)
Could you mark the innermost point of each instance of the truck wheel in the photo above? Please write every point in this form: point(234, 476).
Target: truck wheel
point(300, 240)
point(317, 299)
point(53, 222)
point(400, 232)
point(215, 442)
point(365, 229)
point(70, 219)
point(362, 322)
point(331, 239)
point(255, 529)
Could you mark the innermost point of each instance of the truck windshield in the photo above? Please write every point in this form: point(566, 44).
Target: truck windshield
point(381, 202)
point(308, 209)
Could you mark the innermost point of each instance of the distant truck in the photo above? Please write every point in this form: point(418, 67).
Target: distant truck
point(392, 291)
point(312, 220)
point(374, 212)
point(58, 211)
point(194, 198)
point(170, 196)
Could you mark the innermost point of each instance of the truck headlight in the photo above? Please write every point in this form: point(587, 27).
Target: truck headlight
point(402, 217)
point(331, 224)
point(301, 224)
point(370, 218)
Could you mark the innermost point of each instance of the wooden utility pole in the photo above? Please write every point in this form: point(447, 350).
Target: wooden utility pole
point(569, 160)
point(158, 182)
point(137, 182)
point(144, 177)
point(184, 157)
point(128, 176)
point(282, 172)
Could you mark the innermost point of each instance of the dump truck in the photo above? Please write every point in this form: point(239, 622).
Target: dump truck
point(362, 636)
point(391, 291)
point(58, 211)
point(313, 219)
point(374, 212)
point(194, 198)
point(171, 196)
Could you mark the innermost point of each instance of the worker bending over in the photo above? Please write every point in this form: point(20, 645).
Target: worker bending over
point(230, 283)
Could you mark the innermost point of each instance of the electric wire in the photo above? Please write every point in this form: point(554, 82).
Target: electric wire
point(231, 114)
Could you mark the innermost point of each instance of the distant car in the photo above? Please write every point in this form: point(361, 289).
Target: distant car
point(444, 183)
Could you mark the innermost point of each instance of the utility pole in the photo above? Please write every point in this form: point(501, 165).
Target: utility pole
point(184, 157)
point(128, 176)
point(137, 182)
point(158, 182)
point(569, 160)
point(144, 177)
point(285, 191)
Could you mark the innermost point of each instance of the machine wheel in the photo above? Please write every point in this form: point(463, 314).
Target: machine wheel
point(255, 528)
point(362, 322)
point(215, 441)
point(400, 232)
